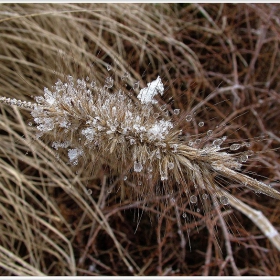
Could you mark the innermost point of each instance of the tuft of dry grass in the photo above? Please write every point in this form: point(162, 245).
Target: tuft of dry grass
point(219, 63)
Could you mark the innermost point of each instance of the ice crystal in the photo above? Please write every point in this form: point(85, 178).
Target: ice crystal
point(147, 94)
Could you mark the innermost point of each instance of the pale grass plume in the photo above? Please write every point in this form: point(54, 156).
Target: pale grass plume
point(141, 142)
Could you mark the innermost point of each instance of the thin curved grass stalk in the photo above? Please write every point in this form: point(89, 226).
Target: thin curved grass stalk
point(97, 125)
point(17, 265)
point(256, 217)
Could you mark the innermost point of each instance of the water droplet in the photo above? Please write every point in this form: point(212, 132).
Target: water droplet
point(164, 176)
point(217, 167)
point(201, 124)
point(158, 155)
point(224, 200)
point(190, 143)
point(125, 178)
point(234, 147)
point(193, 199)
point(243, 158)
point(172, 200)
point(137, 166)
point(176, 111)
point(170, 165)
point(197, 141)
point(184, 215)
point(188, 118)
point(156, 115)
point(125, 75)
point(109, 67)
point(89, 191)
point(163, 107)
point(93, 84)
point(150, 169)
point(209, 132)
point(197, 210)
point(136, 85)
point(205, 196)
point(250, 153)
point(139, 183)
point(109, 82)
point(217, 142)
point(30, 123)
point(215, 204)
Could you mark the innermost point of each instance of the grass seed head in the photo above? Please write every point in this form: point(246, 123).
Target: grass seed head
point(134, 136)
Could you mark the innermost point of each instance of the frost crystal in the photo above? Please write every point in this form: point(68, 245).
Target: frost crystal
point(89, 133)
point(137, 166)
point(147, 94)
point(159, 130)
point(73, 155)
point(49, 97)
point(57, 145)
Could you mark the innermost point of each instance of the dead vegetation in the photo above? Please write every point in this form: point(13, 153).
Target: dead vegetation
point(219, 62)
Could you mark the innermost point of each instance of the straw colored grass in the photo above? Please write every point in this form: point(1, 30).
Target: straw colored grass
point(218, 62)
